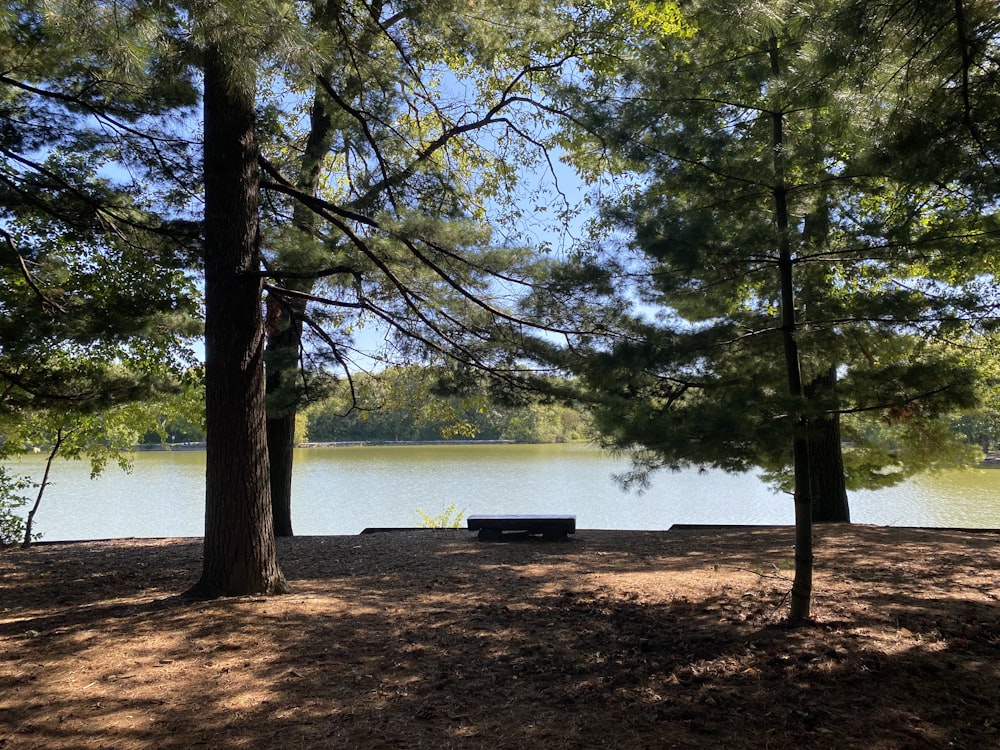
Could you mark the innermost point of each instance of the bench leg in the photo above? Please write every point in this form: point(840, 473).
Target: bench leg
point(489, 535)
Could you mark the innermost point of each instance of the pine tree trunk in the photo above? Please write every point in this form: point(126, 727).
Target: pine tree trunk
point(802, 582)
point(284, 338)
point(826, 459)
point(239, 551)
point(281, 444)
point(283, 394)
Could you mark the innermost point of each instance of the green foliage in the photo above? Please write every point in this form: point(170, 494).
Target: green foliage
point(88, 320)
point(450, 518)
point(75, 103)
point(419, 131)
point(760, 160)
point(414, 404)
point(178, 417)
point(12, 524)
point(980, 427)
point(97, 305)
point(98, 300)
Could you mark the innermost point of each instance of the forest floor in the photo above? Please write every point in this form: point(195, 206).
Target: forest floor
point(432, 639)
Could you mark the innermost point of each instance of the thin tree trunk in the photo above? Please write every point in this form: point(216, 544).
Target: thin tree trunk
point(826, 458)
point(802, 583)
point(239, 552)
point(29, 522)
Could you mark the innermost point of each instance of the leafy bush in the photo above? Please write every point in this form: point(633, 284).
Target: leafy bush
point(12, 498)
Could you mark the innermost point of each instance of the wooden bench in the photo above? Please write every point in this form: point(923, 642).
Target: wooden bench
point(552, 528)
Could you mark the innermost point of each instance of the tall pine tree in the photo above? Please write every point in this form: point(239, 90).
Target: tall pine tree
point(395, 208)
point(795, 284)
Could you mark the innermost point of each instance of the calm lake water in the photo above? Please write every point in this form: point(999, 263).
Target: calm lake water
point(344, 490)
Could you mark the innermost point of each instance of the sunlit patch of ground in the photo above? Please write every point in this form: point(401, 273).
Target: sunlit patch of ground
point(429, 639)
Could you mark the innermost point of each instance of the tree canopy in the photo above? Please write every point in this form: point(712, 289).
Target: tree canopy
point(885, 262)
point(393, 163)
point(99, 304)
point(99, 307)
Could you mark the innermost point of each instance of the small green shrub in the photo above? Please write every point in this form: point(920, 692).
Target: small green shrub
point(12, 498)
point(451, 518)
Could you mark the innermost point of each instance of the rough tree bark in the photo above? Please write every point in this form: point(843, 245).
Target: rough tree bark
point(826, 459)
point(239, 551)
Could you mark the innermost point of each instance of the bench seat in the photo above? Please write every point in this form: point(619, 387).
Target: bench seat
point(550, 527)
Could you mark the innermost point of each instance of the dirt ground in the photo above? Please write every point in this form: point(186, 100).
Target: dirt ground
point(431, 639)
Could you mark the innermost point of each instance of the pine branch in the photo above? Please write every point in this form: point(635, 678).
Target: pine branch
point(26, 274)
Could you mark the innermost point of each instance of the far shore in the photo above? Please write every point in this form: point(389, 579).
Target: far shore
point(990, 461)
point(145, 447)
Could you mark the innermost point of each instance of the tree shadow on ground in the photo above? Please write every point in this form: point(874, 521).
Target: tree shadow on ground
point(661, 641)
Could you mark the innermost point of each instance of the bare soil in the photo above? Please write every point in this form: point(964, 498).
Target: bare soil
point(431, 639)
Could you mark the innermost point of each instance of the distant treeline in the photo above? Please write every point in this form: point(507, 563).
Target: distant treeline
point(408, 403)
point(413, 404)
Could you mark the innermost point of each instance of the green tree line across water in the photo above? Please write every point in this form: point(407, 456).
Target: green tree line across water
point(411, 404)
point(404, 404)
